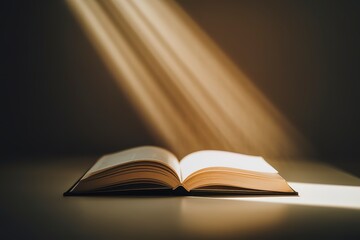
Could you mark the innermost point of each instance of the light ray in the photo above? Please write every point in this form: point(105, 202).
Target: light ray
point(186, 89)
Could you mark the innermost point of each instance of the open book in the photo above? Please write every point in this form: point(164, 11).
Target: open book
point(153, 168)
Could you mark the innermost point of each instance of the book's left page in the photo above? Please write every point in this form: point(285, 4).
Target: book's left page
point(140, 168)
point(149, 153)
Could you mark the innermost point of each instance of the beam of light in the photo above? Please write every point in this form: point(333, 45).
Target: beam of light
point(311, 194)
point(185, 88)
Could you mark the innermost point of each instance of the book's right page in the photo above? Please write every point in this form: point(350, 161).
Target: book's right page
point(211, 168)
point(214, 158)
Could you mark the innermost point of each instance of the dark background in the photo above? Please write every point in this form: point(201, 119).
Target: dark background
point(58, 97)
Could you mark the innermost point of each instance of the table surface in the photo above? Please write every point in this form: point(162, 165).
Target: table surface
point(32, 206)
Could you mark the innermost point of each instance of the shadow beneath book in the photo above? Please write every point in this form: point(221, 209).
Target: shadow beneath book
point(180, 191)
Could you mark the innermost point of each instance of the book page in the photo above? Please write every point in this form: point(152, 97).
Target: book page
point(213, 158)
point(136, 154)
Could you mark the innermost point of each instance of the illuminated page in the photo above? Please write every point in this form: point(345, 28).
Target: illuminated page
point(212, 158)
point(136, 154)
